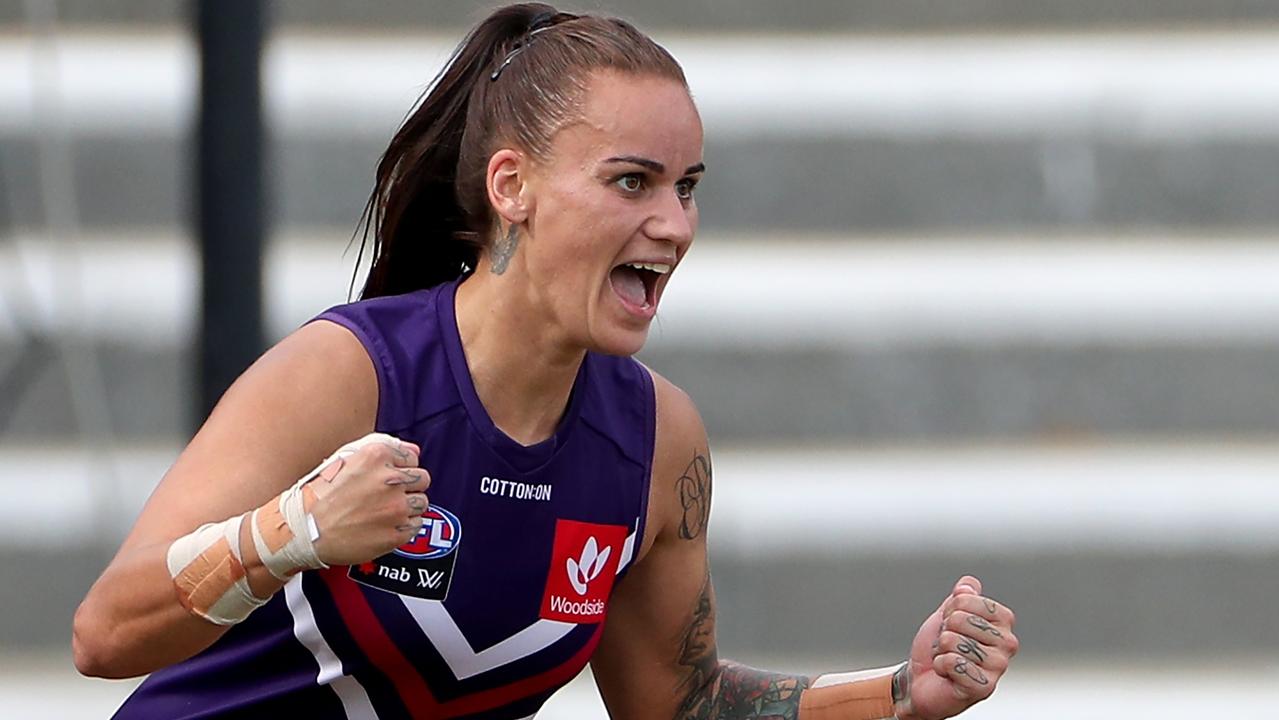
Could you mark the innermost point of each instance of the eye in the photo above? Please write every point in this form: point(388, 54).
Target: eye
point(684, 188)
point(630, 183)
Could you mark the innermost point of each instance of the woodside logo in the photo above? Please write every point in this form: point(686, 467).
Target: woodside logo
point(583, 566)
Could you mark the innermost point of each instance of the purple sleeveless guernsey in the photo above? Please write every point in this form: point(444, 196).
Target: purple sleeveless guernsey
point(500, 599)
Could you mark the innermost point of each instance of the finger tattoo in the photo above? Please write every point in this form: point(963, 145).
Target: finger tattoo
point(981, 624)
point(991, 607)
point(417, 504)
point(968, 646)
point(977, 676)
point(406, 477)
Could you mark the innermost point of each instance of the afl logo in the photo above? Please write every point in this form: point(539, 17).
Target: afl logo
point(441, 531)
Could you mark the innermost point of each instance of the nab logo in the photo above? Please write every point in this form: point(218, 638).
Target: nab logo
point(440, 533)
point(584, 561)
point(421, 567)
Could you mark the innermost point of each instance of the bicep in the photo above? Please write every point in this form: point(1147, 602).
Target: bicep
point(659, 646)
point(314, 391)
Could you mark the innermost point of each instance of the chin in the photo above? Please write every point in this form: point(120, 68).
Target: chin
point(620, 341)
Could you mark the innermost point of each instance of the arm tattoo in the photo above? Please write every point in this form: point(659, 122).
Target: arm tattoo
point(981, 624)
point(694, 488)
point(721, 690)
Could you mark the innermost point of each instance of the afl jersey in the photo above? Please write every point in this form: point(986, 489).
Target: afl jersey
point(501, 597)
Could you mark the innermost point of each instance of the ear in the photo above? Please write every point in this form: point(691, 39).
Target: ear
point(507, 185)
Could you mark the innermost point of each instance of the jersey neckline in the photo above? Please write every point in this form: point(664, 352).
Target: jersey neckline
point(524, 458)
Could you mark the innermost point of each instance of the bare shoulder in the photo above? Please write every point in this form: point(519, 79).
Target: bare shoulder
point(678, 421)
point(309, 394)
point(680, 488)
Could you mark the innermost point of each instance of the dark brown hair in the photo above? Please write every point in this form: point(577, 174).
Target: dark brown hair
point(516, 79)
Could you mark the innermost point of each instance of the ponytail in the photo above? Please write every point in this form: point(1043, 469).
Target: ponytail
point(428, 215)
point(421, 234)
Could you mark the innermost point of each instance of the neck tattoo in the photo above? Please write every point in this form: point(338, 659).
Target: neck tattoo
point(504, 249)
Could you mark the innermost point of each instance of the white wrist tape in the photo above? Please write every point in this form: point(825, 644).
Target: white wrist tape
point(208, 572)
point(284, 532)
point(207, 566)
point(861, 695)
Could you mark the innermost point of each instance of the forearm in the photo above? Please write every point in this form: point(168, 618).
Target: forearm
point(131, 622)
point(732, 691)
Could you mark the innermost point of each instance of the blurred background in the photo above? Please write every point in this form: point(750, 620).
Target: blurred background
point(982, 286)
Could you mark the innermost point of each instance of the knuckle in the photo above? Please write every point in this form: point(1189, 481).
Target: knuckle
point(1013, 644)
point(364, 458)
point(948, 640)
point(390, 512)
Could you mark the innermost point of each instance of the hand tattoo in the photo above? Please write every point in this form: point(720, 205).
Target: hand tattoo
point(991, 607)
point(968, 646)
point(406, 476)
point(981, 624)
point(504, 249)
point(975, 674)
point(695, 496)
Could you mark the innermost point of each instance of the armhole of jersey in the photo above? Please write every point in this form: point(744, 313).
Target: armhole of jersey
point(377, 353)
point(650, 448)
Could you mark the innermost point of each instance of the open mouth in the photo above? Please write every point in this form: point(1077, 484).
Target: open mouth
point(636, 283)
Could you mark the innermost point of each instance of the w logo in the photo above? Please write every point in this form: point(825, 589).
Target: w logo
point(582, 571)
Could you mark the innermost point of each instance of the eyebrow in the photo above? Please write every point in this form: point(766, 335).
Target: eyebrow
point(654, 165)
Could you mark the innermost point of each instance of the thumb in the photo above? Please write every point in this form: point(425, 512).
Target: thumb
point(967, 585)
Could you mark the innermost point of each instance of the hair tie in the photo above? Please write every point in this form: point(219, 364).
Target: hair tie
point(540, 22)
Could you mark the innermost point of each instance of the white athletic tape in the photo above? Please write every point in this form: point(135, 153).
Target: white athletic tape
point(208, 573)
point(208, 569)
point(861, 695)
point(856, 676)
point(284, 532)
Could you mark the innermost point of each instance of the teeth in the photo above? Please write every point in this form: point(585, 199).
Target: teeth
point(659, 268)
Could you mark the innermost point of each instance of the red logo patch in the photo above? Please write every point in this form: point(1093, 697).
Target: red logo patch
point(583, 566)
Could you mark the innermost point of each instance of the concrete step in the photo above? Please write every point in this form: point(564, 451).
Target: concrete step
point(964, 134)
point(815, 550)
point(937, 393)
point(45, 684)
point(833, 185)
point(712, 16)
point(825, 339)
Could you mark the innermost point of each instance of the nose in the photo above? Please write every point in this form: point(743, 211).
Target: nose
point(672, 220)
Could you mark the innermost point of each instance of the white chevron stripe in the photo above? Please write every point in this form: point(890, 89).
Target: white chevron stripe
point(447, 638)
point(438, 625)
point(355, 701)
point(628, 551)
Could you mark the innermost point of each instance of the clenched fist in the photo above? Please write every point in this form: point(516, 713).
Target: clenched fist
point(961, 652)
point(369, 499)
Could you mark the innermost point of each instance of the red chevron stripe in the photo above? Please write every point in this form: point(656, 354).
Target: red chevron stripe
point(377, 645)
point(529, 686)
point(382, 652)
